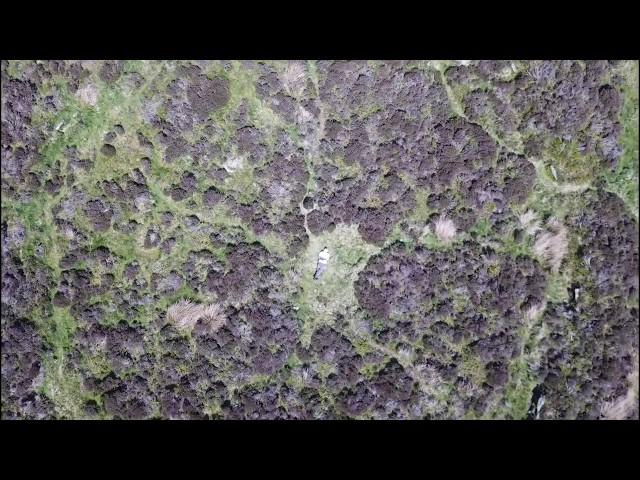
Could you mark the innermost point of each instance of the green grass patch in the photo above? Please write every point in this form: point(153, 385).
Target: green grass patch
point(319, 301)
point(557, 290)
point(61, 385)
point(42, 245)
point(471, 367)
point(519, 389)
point(623, 181)
point(566, 164)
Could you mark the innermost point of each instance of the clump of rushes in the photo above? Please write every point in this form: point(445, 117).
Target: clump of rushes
point(185, 315)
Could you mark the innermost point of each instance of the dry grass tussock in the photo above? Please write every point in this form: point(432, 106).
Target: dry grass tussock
point(430, 378)
point(445, 229)
point(186, 314)
point(534, 312)
point(88, 94)
point(294, 78)
point(529, 222)
point(552, 244)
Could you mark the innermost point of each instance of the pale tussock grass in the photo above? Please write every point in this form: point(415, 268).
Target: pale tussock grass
point(185, 315)
point(529, 222)
point(445, 229)
point(552, 244)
